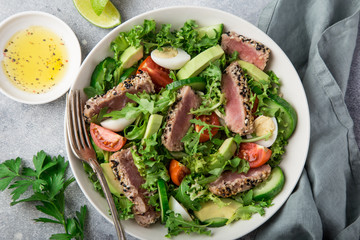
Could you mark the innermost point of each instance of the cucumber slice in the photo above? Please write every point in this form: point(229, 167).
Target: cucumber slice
point(153, 125)
point(210, 30)
point(164, 202)
point(287, 116)
point(216, 222)
point(271, 186)
point(196, 83)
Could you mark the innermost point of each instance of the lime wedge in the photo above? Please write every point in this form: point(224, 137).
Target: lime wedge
point(98, 5)
point(110, 16)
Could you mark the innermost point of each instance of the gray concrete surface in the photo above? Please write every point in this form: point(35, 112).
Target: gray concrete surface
point(27, 129)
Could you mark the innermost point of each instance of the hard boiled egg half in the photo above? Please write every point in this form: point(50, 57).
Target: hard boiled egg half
point(178, 208)
point(116, 125)
point(170, 58)
point(263, 126)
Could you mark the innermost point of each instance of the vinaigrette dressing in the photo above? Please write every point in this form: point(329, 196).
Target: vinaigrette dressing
point(35, 59)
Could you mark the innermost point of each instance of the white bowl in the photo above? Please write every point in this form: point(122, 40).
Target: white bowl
point(23, 20)
point(296, 151)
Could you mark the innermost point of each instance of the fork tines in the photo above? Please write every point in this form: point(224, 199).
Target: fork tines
point(77, 133)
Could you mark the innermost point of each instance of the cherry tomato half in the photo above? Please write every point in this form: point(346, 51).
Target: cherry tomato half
point(212, 119)
point(255, 154)
point(159, 75)
point(106, 139)
point(177, 172)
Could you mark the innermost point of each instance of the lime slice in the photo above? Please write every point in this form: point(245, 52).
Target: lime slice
point(110, 16)
point(98, 5)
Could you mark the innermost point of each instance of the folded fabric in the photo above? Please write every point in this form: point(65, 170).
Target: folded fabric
point(319, 37)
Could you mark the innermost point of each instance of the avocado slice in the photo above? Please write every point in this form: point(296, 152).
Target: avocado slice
point(196, 65)
point(153, 125)
point(254, 71)
point(228, 149)
point(114, 184)
point(216, 215)
point(130, 56)
point(225, 152)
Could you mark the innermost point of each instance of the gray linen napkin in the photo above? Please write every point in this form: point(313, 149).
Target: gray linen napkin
point(319, 37)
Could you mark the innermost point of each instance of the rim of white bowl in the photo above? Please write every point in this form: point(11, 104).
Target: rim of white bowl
point(302, 134)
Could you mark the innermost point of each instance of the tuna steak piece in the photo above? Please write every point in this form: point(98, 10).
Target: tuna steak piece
point(115, 98)
point(248, 49)
point(178, 119)
point(122, 164)
point(231, 183)
point(238, 116)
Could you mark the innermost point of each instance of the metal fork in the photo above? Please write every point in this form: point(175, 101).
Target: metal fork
point(82, 148)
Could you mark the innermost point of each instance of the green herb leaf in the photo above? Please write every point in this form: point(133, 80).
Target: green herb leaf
point(147, 104)
point(184, 198)
point(8, 171)
point(48, 183)
point(278, 150)
point(213, 98)
point(71, 226)
point(51, 210)
point(46, 220)
point(55, 185)
point(20, 187)
point(37, 196)
point(150, 162)
point(245, 212)
point(61, 236)
point(176, 225)
point(126, 207)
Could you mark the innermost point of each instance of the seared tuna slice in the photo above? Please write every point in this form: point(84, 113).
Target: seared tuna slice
point(231, 183)
point(178, 119)
point(115, 98)
point(248, 49)
point(238, 116)
point(147, 218)
point(122, 164)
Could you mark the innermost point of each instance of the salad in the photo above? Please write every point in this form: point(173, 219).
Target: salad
point(188, 126)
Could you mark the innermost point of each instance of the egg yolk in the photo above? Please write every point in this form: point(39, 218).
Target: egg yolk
point(167, 52)
point(263, 125)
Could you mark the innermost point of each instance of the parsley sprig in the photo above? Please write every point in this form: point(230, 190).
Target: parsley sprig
point(48, 183)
